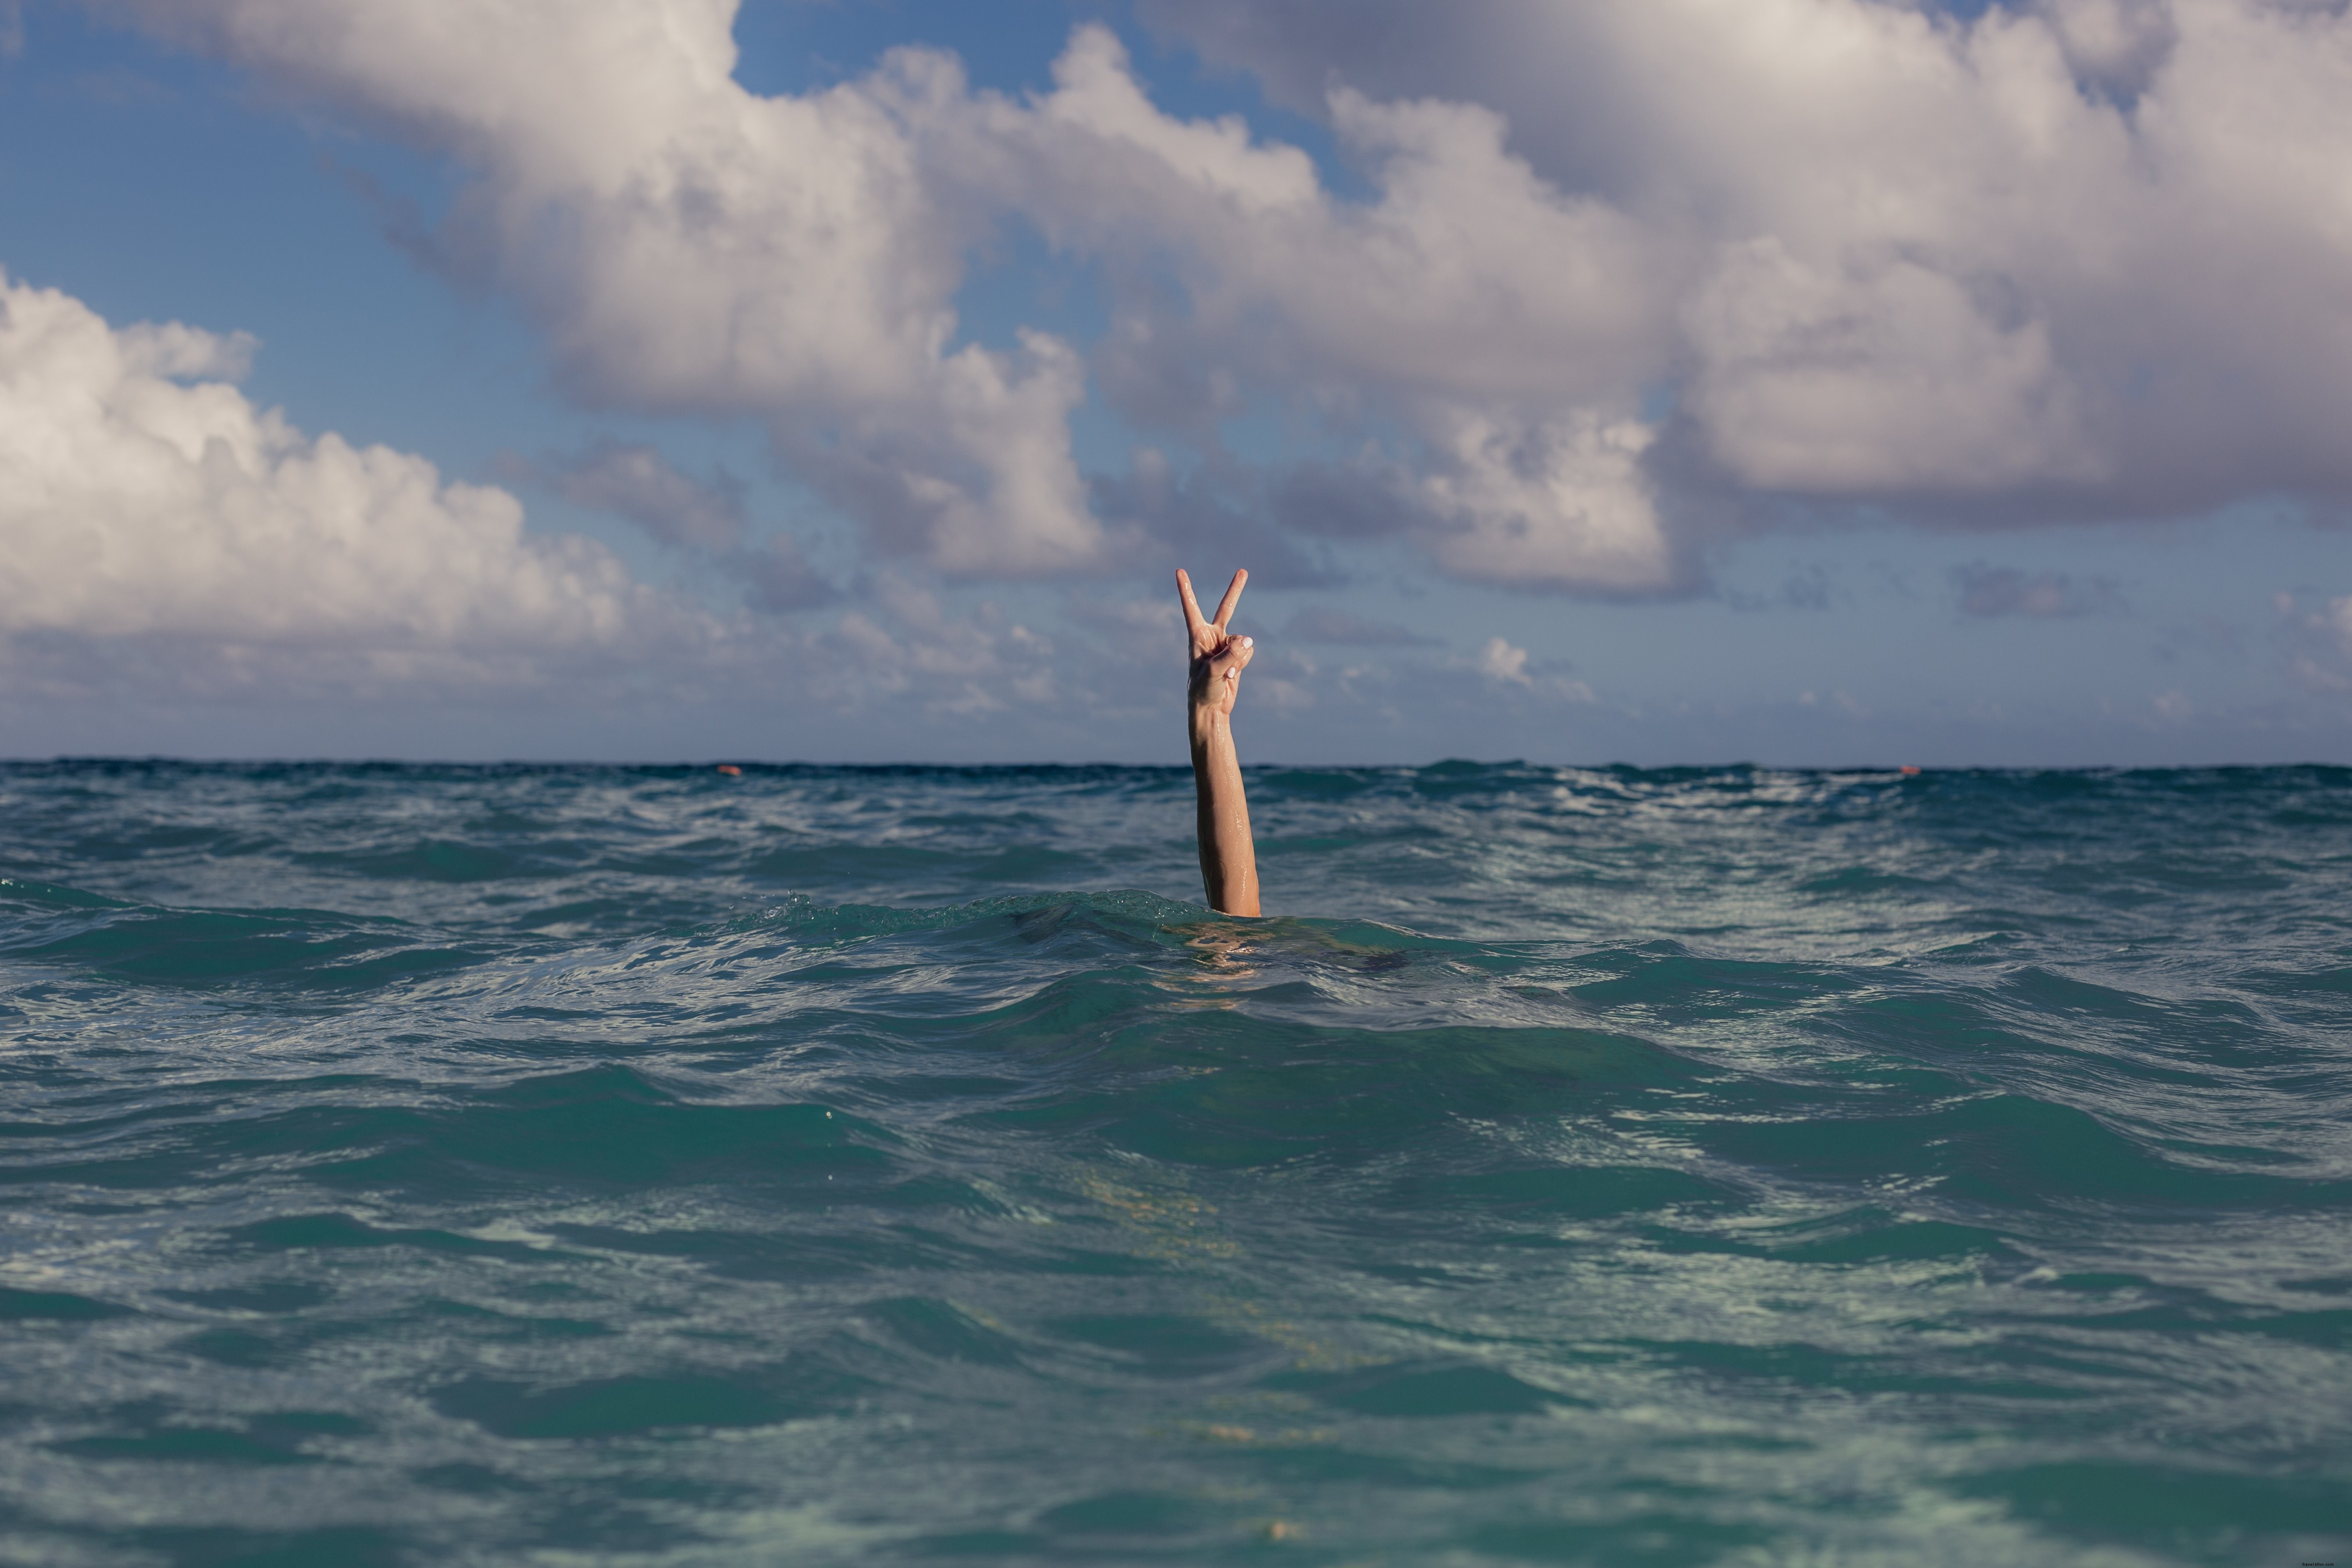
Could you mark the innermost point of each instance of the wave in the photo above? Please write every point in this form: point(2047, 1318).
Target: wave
point(849, 1165)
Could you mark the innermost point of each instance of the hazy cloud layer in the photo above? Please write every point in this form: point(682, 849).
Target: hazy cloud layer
point(701, 518)
point(1213, 512)
point(1990, 591)
point(633, 480)
point(1340, 630)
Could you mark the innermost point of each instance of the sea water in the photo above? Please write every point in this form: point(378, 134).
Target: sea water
point(569, 1165)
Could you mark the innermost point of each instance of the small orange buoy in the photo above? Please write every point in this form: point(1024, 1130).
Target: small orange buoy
point(732, 772)
point(1906, 768)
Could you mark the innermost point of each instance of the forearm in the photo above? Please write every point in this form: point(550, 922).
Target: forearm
point(1228, 855)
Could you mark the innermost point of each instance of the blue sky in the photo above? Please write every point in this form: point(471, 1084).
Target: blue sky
point(1574, 391)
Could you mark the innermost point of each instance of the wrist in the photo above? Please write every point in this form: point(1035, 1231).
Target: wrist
point(1206, 723)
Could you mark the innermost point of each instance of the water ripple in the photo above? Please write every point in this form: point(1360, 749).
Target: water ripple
point(832, 1165)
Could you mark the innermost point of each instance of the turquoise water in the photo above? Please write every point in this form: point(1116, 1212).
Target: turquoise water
point(599, 1165)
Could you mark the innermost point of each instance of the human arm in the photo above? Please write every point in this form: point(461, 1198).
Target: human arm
point(1228, 857)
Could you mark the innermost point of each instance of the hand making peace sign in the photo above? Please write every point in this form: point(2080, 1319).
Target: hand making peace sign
point(1218, 657)
point(1228, 854)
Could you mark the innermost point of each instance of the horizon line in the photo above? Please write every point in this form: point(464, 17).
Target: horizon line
point(716, 764)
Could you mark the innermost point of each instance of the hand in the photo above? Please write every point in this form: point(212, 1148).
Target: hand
point(1228, 854)
point(1218, 657)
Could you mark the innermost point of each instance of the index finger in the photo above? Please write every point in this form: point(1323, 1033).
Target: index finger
point(1232, 596)
point(1192, 619)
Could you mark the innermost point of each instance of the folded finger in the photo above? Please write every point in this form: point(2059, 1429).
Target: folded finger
point(1232, 596)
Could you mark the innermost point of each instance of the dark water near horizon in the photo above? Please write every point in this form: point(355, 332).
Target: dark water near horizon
point(430, 1165)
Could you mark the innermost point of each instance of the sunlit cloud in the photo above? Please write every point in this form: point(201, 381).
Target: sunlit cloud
point(1599, 300)
point(142, 495)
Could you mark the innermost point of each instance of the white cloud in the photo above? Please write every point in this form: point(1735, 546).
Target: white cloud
point(1564, 505)
point(1883, 377)
point(1468, 276)
point(907, 644)
point(1500, 661)
point(2116, 45)
point(2081, 256)
point(2091, 251)
point(1505, 326)
point(686, 247)
point(141, 495)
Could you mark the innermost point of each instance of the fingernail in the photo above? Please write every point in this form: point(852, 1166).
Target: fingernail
point(1249, 642)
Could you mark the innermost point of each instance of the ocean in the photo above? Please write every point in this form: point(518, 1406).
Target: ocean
point(608, 1166)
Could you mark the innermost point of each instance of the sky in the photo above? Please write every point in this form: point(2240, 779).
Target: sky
point(1800, 382)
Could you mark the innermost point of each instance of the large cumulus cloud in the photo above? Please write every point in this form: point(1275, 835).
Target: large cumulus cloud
point(686, 247)
point(1623, 271)
point(2082, 256)
point(162, 535)
point(143, 497)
